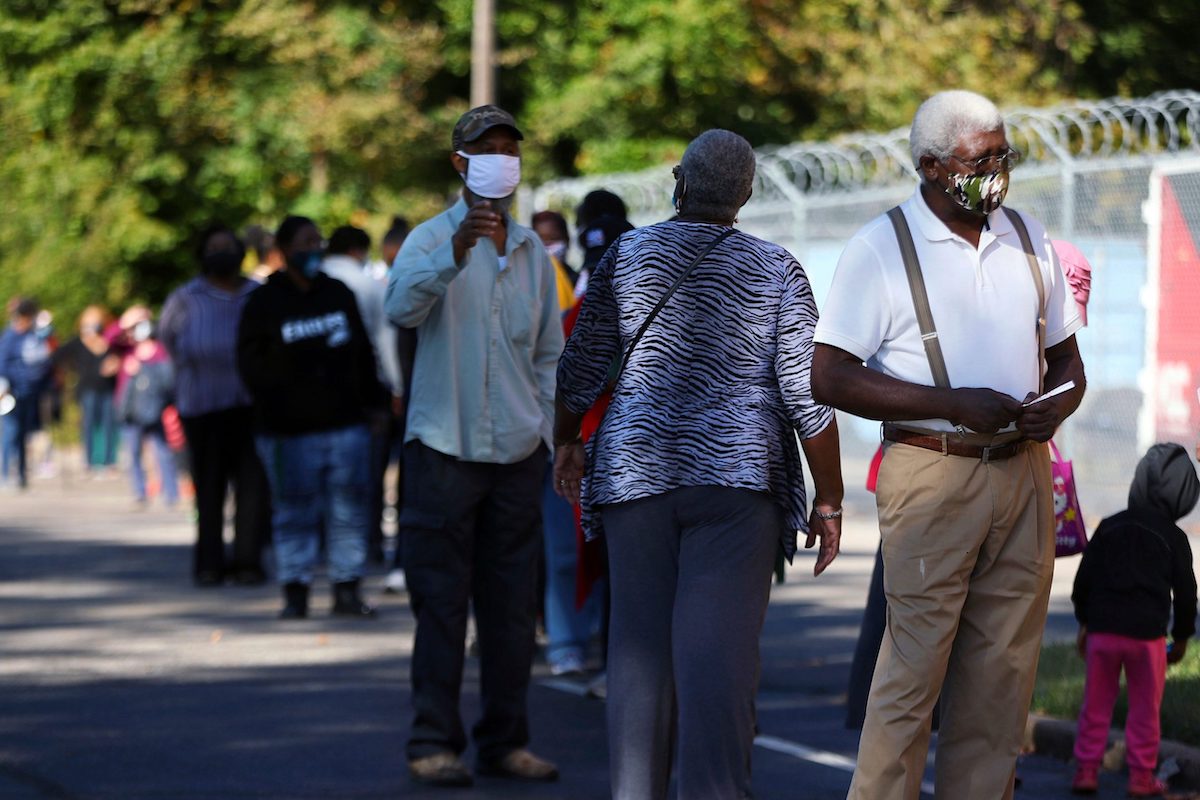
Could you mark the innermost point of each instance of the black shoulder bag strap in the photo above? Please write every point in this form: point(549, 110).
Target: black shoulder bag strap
point(916, 285)
point(637, 337)
point(1036, 270)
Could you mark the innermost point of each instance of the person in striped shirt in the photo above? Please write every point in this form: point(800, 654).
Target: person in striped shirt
point(696, 479)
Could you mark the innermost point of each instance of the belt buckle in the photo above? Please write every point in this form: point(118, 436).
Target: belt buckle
point(986, 457)
point(945, 438)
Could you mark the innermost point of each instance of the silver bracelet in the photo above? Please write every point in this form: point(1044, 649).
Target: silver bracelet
point(837, 512)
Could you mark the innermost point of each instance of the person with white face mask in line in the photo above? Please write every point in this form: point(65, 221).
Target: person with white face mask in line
point(551, 228)
point(479, 288)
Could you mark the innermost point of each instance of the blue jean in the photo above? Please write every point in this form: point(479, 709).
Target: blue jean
point(135, 437)
point(567, 629)
point(15, 428)
point(99, 428)
point(328, 474)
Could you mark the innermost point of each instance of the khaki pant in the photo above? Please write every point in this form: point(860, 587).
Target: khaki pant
point(968, 552)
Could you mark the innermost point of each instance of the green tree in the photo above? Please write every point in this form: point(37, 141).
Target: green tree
point(619, 84)
point(1141, 48)
point(129, 125)
point(126, 125)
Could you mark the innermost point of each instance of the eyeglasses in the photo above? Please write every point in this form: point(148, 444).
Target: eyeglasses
point(1003, 162)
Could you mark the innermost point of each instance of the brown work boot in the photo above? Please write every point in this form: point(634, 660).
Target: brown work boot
point(440, 769)
point(520, 765)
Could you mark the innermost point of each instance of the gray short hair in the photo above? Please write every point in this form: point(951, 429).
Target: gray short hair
point(945, 118)
point(718, 172)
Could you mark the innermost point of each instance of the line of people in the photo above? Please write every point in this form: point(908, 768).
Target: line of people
point(700, 358)
point(123, 383)
point(660, 444)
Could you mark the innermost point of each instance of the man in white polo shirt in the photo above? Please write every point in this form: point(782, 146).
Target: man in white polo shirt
point(965, 499)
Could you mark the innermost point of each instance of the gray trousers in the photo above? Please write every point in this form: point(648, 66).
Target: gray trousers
point(690, 576)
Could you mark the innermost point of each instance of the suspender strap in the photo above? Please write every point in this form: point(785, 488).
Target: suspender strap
point(1036, 270)
point(667, 296)
point(916, 285)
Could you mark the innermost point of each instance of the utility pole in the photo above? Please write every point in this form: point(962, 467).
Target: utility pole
point(483, 54)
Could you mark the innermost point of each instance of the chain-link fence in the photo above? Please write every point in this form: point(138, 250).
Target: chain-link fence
point(1120, 179)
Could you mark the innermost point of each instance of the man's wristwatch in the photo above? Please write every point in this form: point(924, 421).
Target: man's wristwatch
point(837, 512)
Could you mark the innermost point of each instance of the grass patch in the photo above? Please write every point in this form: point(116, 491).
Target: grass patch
point(1059, 692)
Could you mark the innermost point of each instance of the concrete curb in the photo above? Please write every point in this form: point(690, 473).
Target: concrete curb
point(1056, 738)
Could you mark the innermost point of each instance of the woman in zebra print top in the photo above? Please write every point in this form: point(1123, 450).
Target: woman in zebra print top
point(696, 478)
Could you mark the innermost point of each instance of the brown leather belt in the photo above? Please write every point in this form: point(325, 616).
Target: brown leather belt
point(947, 445)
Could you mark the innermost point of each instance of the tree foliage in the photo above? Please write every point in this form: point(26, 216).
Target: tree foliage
point(128, 124)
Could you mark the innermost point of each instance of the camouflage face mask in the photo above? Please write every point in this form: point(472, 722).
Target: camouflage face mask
point(980, 194)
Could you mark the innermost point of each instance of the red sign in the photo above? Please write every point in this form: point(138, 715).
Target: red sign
point(1176, 348)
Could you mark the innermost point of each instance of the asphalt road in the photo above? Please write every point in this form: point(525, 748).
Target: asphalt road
point(120, 680)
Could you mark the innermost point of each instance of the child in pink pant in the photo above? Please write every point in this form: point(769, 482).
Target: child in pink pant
point(1137, 564)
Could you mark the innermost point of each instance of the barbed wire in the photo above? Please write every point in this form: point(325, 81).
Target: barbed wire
point(1077, 131)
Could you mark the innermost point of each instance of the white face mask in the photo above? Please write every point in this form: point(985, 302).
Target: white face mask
point(492, 176)
point(557, 249)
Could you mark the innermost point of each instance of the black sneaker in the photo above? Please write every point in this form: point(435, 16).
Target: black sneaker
point(209, 578)
point(348, 603)
point(248, 576)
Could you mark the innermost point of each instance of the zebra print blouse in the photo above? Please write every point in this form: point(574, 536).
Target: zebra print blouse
point(719, 384)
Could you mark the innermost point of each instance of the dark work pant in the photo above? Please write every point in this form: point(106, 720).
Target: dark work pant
point(398, 428)
point(222, 452)
point(866, 651)
point(690, 577)
point(471, 535)
point(406, 350)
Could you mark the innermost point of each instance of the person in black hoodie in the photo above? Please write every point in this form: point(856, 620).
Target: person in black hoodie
point(304, 354)
point(1138, 562)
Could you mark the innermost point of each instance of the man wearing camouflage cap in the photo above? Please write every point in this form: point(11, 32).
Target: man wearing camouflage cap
point(480, 290)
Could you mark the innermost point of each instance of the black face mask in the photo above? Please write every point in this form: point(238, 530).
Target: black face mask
point(224, 264)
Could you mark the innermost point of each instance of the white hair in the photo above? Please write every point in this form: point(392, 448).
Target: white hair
point(942, 121)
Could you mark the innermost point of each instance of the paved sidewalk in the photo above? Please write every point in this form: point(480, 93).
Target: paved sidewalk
point(119, 680)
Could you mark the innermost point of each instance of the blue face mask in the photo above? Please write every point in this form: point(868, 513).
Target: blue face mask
point(306, 262)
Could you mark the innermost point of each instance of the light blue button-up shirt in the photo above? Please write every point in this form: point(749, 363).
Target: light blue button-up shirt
point(488, 340)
